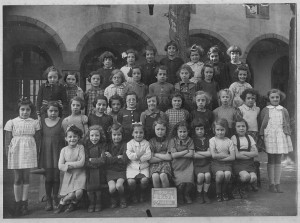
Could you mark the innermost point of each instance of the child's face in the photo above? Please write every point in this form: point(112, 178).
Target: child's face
point(214, 57)
point(235, 56)
point(242, 76)
point(176, 102)
point(94, 136)
point(75, 107)
point(161, 76)
point(52, 112)
point(241, 128)
point(117, 79)
point(52, 77)
point(184, 75)
point(171, 51)
point(195, 57)
point(107, 62)
point(200, 101)
point(199, 131)
point(72, 139)
point(131, 101)
point(101, 106)
point(116, 136)
point(130, 59)
point(24, 111)
point(208, 74)
point(160, 130)
point(152, 103)
point(138, 133)
point(250, 100)
point(71, 80)
point(182, 132)
point(115, 106)
point(95, 80)
point(149, 56)
point(220, 131)
point(225, 98)
point(136, 75)
point(274, 99)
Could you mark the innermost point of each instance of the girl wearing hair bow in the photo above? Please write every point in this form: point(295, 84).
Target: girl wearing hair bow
point(130, 56)
point(194, 53)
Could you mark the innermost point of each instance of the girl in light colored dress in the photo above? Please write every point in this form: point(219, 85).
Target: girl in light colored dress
point(130, 56)
point(195, 53)
point(275, 131)
point(181, 148)
point(21, 151)
point(71, 162)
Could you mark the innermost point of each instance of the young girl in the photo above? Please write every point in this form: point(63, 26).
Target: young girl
point(208, 84)
point(181, 148)
point(95, 159)
point(160, 168)
point(52, 143)
point(116, 165)
point(21, 151)
point(171, 61)
point(76, 118)
point(245, 151)
point(194, 53)
point(115, 103)
point(138, 87)
point(71, 79)
point(71, 162)
point(95, 79)
point(222, 152)
point(202, 159)
point(139, 153)
point(99, 117)
point(185, 87)
point(225, 111)
point(275, 131)
point(152, 114)
point(238, 87)
point(106, 58)
point(52, 90)
point(129, 115)
point(117, 87)
point(221, 75)
point(130, 56)
point(202, 99)
point(177, 113)
point(162, 88)
point(148, 68)
point(234, 52)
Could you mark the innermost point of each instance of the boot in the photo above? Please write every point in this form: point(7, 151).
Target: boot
point(272, 188)
point(55, 202)
point(17, 208)
point(225, 197)
point(123, 203)
point(180, 189)
point(91, 207)
point(200, 197)
point(71, 207)
point(49, 206)
point(98, 206)
point(24, 209)
point(206, 198)
point(113, 200)
point(278, 189)
point(219, 197)
point(60, 208)
point(187, 193)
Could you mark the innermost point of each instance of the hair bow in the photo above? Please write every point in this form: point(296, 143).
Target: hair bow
point(69, 127)
point(137, 123)
point(124, 55)
point(194, 47)
point(24, 99)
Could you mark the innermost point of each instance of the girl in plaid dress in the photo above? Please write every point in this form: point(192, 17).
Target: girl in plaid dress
point(21, 151)
point(275, 131)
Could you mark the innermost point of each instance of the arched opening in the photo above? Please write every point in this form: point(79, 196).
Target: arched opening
point(207, 41)
point(116, 40)
point(262, 57)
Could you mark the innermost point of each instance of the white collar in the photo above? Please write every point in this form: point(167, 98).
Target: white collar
point(278, 107)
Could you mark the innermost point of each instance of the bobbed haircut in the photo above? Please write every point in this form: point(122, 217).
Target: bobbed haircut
point(80, 100)
point(241, 67)
point(207, 64)
point(205, 94)
point(71, 73)
point(117, 71)
point(95, 73)
point(54, 104)
point(135, 67)
point(213, 49)
point(107, 54)
point(249, 91)
point(234, 48)
point(100, 97)
point(240, 119)
point(137, 125)
point(227, 91)
point(221, 122)
point(178, 125)
point(281, 94)
point(97, 128)
point(116, 126)
point(134, 52)
point(195, 48)
point(199, 122)
point(161, 67)
point(171, 43)
point(73, 128)
point(51, 69)
point(131, 93)
point(149, 48)
point(185, 67)
point(116, 97)
point(160, 121)
point(148, 96)
point(178, 95)
point(26, 101)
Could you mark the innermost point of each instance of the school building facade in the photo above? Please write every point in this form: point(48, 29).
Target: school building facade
point(72, 37)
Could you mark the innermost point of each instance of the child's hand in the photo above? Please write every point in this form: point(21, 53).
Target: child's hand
point(120, 156)
point(108, 154)
point(139, 154)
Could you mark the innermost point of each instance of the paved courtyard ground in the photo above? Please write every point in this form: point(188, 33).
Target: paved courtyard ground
point(261, 203)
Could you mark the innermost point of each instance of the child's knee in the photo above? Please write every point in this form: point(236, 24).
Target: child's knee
point(227, 175)
point(207, 177)
point(155, 177)
point(244, 176)
point(78, 194)
point(144, 181)
point(163, 176)
point(131, 182)
point(200, 177)
point(253, 177)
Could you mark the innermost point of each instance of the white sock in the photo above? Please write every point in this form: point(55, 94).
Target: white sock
point(206, 187)
point(25, 192)
point(199, 187)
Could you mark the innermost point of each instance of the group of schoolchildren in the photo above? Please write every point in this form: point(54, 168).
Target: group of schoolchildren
point(143, 123)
